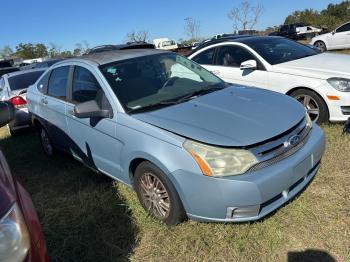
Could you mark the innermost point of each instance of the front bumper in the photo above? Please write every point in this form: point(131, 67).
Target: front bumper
point(255, 194)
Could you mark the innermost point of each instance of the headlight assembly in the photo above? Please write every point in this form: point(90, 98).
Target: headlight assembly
point(341, 84)
point(14, 236)
point(216, 161)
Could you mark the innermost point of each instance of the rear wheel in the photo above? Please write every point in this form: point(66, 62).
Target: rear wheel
point(45, 141)
point(157, 194)
point(320, 45)
point(314, 105)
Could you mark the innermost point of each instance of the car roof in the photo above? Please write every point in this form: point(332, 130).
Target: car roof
point(106, 57)
point(245, 39)
point(129, 45)
point(22, 72)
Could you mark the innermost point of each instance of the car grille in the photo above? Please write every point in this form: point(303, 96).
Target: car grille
point(280, 148)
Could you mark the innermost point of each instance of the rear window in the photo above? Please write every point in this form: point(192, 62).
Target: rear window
point(23, 81)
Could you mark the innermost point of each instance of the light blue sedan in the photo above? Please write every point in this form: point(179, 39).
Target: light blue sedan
point(189, 144)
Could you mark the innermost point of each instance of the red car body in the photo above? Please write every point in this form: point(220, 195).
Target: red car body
point(11, 193)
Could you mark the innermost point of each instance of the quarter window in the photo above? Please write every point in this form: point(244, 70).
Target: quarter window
point(86, 88)
point(344, 28)
point(58, 82)
point(233, 56)
point(206, 57)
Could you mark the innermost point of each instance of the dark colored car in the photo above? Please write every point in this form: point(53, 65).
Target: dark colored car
point(6, 67)
point(129, 45)
point(21, 237)
point(44, 64)
point(289, 31)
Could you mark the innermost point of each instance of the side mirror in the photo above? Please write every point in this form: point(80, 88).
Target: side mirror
point(91, 109)
point(249, 64)
point(7, 113)
point(333, 32)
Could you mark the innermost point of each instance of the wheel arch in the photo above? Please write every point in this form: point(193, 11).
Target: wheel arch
point(289, 93)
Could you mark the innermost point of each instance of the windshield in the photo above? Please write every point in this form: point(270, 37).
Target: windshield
point(157, 79)
point(22, 81)
point(276, 50)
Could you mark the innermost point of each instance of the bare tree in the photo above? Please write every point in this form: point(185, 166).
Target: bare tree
point(192, 28)
point(245, 16)
point(6, 51)
point(140, 36)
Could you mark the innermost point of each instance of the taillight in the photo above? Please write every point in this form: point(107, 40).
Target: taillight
point(18, 101)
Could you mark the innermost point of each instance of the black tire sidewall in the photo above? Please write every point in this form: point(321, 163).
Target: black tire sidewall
point(41, 129)
point(324, 113)
point(177, 212)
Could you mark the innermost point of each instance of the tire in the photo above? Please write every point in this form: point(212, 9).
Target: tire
point(314, 104)
point(45, 141)
point(320, 45)
point(157, 194)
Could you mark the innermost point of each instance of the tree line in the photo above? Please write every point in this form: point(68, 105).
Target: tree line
point(244, 15)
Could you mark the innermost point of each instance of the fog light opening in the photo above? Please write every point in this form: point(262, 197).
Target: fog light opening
point(242, 212)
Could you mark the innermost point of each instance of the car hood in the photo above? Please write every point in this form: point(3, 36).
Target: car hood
point(321, 66)
point(232, 117)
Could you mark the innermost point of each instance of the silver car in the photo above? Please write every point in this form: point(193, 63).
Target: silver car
point(13, 88)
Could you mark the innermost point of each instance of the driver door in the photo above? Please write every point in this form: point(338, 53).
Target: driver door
point(93, 140)
point(228, 61)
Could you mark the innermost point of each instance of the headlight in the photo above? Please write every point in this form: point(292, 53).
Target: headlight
point(308, 120)
point(216, 161)
point(14, 237)
point(341, 84)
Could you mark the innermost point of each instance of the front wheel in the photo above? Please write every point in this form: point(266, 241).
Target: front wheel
point(314, 105)
point(320, 45)
point(157, 194)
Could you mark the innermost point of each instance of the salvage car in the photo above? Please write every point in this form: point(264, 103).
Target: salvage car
point(319, 81)
point(21, 237)
point(188, 143)
point(13, 88)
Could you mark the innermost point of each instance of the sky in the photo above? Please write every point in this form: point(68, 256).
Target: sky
point(67, 23)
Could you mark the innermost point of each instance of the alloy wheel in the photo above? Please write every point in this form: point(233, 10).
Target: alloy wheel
point(311, 106)
point(154, 196)
point(320, 46)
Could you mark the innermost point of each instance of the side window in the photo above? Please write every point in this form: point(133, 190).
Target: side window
point(233, 56)
point(58, 82)
point(86, 88)
point(344, 28)
point(43, 82)
point(206, 57)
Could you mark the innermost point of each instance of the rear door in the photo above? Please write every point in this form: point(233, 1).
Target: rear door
point(228, 61)
point(53, 106)
point(95, 141)
point(206, 59)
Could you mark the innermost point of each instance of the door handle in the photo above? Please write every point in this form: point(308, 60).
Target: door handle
point(44, 101)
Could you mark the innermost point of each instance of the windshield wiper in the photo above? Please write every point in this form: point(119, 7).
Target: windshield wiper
point(176, 100)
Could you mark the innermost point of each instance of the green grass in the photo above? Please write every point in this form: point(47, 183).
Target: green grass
point(86, 217)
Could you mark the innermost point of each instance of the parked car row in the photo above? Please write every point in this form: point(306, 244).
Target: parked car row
point(179, 130)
